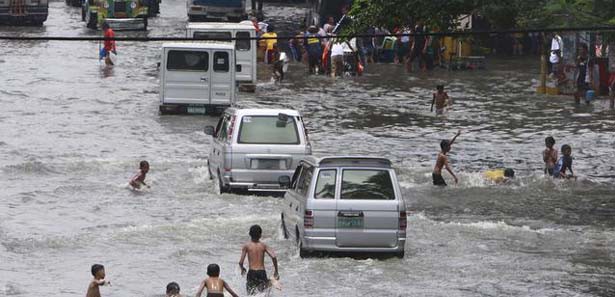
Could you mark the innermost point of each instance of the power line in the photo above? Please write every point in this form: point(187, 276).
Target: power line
point(437, 34)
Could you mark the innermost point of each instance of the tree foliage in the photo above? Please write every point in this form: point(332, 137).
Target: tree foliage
point(510, 14)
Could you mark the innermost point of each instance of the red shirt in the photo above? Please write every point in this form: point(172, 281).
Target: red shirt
point(109, 44)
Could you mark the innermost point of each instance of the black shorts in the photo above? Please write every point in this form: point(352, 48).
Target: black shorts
point(438, 180)
point(582, 87)
point(257, 281)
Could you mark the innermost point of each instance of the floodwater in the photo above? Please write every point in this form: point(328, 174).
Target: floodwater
point(72, 134)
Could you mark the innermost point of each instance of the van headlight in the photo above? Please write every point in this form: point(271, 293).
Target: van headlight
point(133, 4)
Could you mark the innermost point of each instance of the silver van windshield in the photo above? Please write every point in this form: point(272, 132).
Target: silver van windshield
point(367, 184)
point(268, 130)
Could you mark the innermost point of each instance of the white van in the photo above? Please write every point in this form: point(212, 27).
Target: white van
point(197, 77)
point(245, 50)
point(345, 204)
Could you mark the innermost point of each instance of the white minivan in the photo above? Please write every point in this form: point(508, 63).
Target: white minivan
point(197, 77)
point(345, 204)
point(245, 49)
point(252, 149)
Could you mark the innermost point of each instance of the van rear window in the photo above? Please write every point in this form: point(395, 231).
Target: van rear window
point(367, 184)
point(188, 61)
point(215, 36)
point(268, 130)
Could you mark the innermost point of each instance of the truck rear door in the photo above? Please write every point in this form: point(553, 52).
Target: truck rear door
point(187, 76)
point(222, 77)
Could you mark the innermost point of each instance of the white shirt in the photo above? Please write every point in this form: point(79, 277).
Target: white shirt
point(556, 44)
point(337, 49)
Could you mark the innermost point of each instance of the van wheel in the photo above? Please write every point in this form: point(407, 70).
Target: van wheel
point(145, 23)
point(223, 188)
point(400, 255)
point(83, 13)
point(284, 231)
point(302, 252)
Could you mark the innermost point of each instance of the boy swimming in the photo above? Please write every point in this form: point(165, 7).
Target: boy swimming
point(564, 164)
point(442, 162)
point(98, 271)
point(214, 284)
point(549, 155)
point(257, 280)
point(498, 176)
point(139, 179)
point(173, 290)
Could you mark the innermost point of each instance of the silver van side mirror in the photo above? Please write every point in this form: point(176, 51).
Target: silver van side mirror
point(209, 130)
point(284, 181)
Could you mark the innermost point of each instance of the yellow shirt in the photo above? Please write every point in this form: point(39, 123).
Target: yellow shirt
point(268, 43)
point(496, 175)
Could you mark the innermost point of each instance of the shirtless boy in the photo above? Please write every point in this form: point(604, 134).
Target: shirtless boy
point(440, 99)
point(98, 271)
point(214, 284)
point(173, 290)
point(139, 179)
point(257, 280)
point(549, 155)
point(442, 162)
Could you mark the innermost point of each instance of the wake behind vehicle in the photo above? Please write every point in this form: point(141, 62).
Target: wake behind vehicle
point(24, 12)
point(119, 14)
point(345, 204)
point(197, 77)
point(216, 10)
point(253, 148)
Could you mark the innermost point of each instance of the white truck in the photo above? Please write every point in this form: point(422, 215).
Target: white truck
point(245, 49)
point(218, 10)
point(197, 78)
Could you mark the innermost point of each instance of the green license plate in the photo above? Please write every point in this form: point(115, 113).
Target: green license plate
point(350, 223)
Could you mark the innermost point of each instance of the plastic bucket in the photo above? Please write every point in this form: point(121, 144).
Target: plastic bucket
point(590, 95)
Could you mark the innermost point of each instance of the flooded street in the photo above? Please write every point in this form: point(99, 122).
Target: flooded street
point(72, 134)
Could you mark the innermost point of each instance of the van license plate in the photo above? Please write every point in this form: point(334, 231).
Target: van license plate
point(350, 222)
point(196, 109)
point(268, 164)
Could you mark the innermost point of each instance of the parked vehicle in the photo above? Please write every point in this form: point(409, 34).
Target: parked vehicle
point(197, 77)
point(253, 148)
point(24, 12)
point(73, 3)
point(119, 14)
point(345, 204)
point(216, 10)
point(245, 50)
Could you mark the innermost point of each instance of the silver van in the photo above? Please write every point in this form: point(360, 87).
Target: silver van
point(253, 149)
point(345, 204)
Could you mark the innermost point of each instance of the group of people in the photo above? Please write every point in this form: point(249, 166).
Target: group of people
point(214, 286)
point(555, 167)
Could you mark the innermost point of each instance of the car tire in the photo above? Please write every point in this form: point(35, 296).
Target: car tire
point(145, 23)
point(400, 255)
point(223, 188)
point(303, 253)
point(82, 14)
point(283, 225)
point(211, 175)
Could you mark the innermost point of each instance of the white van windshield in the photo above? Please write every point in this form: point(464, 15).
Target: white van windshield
point(268, 130)
point(367, 184)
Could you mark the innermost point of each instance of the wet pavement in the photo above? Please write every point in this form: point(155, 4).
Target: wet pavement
point(73, 132)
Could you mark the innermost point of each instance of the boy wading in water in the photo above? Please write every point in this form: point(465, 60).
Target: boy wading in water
point(139, 179)
point(214, 284)
point(440, 99)
point(549, 155)
point(257, 280)
point(442, 162)
point(564, 164)
point(98, 271)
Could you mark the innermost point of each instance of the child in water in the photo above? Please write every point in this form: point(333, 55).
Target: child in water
point(549, 155)
point(440, 99)
point(173, 290)
point(564, 164)
point(255, 250)
point(98, 271)
point(442, 162)
point(214, 284)
point(502, 175)
point(139, 179)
